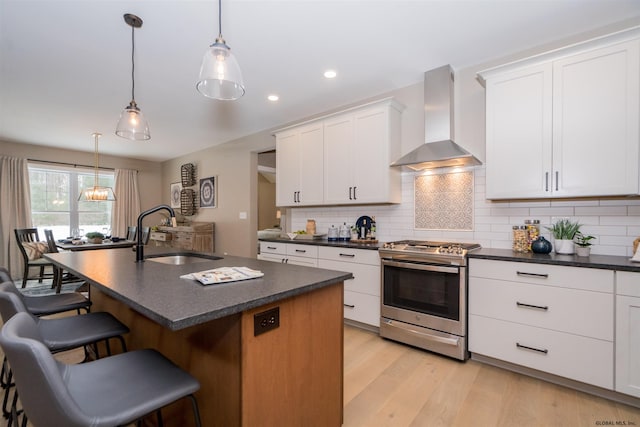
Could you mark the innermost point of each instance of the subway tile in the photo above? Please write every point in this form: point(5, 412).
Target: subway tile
point(600, 210)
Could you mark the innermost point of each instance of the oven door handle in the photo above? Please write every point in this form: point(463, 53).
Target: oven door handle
point(425, 267)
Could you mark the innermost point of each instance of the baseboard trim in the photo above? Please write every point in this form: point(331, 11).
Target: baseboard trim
point(361, 325)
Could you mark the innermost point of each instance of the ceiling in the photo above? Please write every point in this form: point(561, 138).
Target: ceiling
point(65, 66)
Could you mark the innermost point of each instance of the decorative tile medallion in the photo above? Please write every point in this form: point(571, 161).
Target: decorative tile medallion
point(444, 201)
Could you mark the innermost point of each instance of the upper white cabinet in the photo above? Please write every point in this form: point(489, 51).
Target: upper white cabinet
point(359, 146)
point(299, 161)
point(566, 123)
point(352, 166)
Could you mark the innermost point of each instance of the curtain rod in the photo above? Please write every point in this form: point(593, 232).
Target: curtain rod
point(75, 165)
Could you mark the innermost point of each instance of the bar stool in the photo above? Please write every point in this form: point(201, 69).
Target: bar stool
point(39, 306)
point(63, 333)
point(108, 392)
point(47, 304)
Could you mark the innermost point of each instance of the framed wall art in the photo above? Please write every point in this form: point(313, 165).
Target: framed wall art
point(176, 188)
point(209, 192)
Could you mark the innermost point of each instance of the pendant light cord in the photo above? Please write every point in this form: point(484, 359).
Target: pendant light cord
point(220, 18)
point(133, 65)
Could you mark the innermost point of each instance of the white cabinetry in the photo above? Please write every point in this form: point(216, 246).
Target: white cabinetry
point(627, 333)
point(565, 124)
point(289, 253)
point(342, 158)
point(555, 319)
point(362, 293)
point(299, 157)
point(359, 146)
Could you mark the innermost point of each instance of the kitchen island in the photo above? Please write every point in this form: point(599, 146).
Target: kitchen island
point(251, 374)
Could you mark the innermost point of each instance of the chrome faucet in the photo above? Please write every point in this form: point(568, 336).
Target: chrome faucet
point(140, 244)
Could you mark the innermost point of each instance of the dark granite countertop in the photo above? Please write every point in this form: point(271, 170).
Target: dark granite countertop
point(608, 262)
point(325, 242)
point(157, 291)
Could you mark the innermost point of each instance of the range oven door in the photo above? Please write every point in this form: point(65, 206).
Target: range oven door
point(431, 296)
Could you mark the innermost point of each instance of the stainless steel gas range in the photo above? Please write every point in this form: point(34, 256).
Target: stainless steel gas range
point(424, 295)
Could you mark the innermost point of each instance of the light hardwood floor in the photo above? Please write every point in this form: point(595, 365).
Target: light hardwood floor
point(395, 385)
point(391, 384)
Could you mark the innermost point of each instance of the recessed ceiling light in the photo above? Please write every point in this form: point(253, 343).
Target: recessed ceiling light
point(330, 74)
point(273, 98)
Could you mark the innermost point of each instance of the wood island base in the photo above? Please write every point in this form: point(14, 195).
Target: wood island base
point(291, 375)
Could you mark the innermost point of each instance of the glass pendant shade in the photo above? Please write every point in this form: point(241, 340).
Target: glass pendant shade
point(220, 75)
point(96, 193)
point(132, 124)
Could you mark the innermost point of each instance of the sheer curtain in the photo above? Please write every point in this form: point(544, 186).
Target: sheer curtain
point(15, 210)
point(126, 208)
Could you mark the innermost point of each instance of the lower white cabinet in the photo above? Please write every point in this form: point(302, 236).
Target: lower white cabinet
point(289, 253)
point(628, 333)
point(555, 319)
point(362, 293)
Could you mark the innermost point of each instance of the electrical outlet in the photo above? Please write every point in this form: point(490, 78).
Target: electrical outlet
point(266, 321)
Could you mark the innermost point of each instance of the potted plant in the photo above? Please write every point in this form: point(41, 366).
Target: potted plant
point(563, 231)
point(94, 237)
point(584, 244)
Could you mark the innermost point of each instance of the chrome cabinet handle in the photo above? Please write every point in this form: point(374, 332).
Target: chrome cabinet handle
point(271, 247)
point(535, 307)
point(348, 255)
point(354, 193)
point(557, 180)
point(526, 347)
point(546, 181)
point(350, 198)
point(301, 250)
point(349, 305)
point(538, 275)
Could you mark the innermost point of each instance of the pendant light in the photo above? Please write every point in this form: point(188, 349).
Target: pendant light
point(132, 124)
point(220, 75)
point(96, 193)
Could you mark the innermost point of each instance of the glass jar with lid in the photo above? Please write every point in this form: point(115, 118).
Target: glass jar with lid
point(520, 238)
point(533, 231)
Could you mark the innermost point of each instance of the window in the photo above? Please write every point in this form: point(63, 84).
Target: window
point(54, 201)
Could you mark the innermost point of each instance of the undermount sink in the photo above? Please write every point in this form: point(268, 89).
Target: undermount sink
point(181, 259)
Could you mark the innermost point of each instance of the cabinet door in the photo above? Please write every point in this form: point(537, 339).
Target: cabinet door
point(595, 122)
point(311, 164)
point(627, 338)
point(299, 166)
point(371, 162)
point(518, 119)
point(287, 167)
point(339, 159)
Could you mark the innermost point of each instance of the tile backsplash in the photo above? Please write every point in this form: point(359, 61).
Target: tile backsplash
point(614, 221)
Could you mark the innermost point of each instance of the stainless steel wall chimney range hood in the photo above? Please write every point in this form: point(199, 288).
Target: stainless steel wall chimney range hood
point(439, 149)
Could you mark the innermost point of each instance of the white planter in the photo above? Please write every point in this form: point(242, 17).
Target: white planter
point(583, 250)
point(564, 247)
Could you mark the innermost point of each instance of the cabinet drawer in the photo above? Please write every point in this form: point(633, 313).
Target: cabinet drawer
point(160, 236)
point(273, 248)
point(299, 260)
point(362, 308)
point(362, 256)
point(628, 283)
point(582, 359)
point(307, 251)
point(575, 311)
point(590, 279)
point(366, 278)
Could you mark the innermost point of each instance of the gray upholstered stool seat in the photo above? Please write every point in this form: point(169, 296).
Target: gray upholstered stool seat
point(72, 332)
point(67, 332)
point(48, 304)
point(112, 391)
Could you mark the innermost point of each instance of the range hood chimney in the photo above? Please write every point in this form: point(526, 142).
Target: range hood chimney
point(439, 149)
